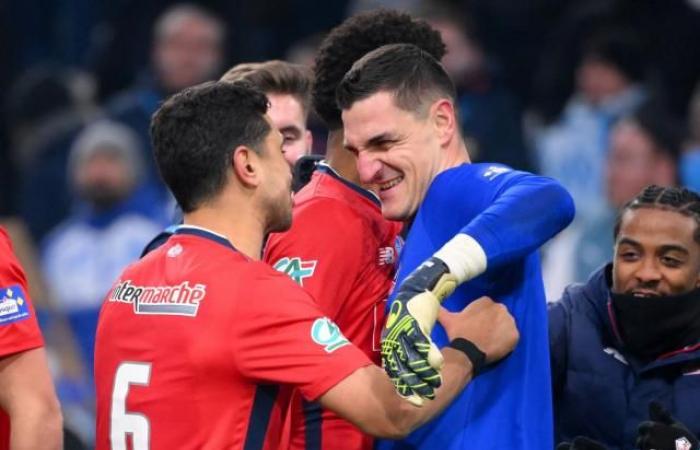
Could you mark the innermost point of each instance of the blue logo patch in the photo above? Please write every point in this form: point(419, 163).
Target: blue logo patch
point(13, 305)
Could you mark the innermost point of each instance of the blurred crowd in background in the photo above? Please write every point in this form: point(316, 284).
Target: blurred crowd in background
point(603, 95)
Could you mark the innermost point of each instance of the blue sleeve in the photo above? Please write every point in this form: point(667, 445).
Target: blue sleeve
point(510, 213)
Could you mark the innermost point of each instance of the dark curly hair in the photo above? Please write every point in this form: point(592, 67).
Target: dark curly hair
point(680, 200)
point(195, 132)
point(355, 37)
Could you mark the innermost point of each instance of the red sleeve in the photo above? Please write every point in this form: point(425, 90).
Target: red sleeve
point(322, 252)
point(282, 337)
point(19, 330)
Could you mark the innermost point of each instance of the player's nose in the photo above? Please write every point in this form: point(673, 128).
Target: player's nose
point(368, 167)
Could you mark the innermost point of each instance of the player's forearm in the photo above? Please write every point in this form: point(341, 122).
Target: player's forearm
point(37, 426)
point(29, 399)
point(368, 399)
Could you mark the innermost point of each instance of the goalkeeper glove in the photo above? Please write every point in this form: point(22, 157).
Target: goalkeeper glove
point(663, 432)
point(409, 356)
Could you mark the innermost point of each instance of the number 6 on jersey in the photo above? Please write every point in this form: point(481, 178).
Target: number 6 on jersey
point(122, 422)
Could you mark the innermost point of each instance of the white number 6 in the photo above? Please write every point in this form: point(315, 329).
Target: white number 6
point(123, 423)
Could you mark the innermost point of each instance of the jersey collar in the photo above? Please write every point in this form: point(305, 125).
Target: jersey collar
point(204, 233)
point(323, 167)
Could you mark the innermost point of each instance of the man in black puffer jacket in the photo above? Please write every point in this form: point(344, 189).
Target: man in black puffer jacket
point(631, 334)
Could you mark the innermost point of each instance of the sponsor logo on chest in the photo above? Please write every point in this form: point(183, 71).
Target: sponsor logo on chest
point(179, 300)
point(296, 268)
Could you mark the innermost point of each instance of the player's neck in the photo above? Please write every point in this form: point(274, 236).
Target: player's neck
point(241, 227)
point(455, 155)
point(341, 160)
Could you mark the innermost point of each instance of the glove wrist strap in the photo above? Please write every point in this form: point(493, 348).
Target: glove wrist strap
point(476, 356)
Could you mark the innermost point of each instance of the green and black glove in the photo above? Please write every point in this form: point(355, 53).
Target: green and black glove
point(409, 356)
point(663, 432)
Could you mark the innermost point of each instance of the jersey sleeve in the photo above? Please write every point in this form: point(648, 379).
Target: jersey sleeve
point(19, 330)
point(509, 213)
point(281, 336)
point(323, 252)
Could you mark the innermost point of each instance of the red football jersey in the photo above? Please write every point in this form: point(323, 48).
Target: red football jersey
point(198, 347)
point(343, 252)
point(19, 330)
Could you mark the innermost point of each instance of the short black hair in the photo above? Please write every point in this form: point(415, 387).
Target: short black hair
point(355, 37)
point(195, 132)
point(411, 74)
point(676, 199)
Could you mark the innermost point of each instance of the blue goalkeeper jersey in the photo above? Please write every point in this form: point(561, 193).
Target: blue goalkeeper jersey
point(510, 214)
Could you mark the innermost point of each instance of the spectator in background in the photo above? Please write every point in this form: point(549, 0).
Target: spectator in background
point(573, 149)
point(690, 160)
point(642, 150)
point(487, 112)
point(631, 334)
point(106, 231)
point(288, 89)
point(47, 107)
point(608, 86)
point(187, 49)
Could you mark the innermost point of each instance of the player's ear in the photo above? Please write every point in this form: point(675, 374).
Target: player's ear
point(444, 117)
point(246, 167)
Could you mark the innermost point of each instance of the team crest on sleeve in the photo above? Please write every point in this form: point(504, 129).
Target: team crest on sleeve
point(328, 335)
point(13, 305)
point(494, 171)
point(296, 268)
point(175, 300)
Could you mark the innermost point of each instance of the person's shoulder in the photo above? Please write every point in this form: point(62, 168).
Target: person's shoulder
point(465, 175)
point(590, 296)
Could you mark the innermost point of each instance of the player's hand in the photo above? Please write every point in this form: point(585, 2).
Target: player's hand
point(485, 323)
point(663, 432)
point(409, 356)
point(581, 443)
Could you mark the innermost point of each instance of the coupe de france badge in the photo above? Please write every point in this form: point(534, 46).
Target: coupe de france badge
point(13, 305)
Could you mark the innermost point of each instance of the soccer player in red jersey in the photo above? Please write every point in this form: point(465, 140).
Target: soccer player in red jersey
point(199, 344)
point(30, 417)
point(340, 248)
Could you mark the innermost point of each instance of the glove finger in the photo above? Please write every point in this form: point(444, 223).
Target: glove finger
point(417, 385)
point(658, 413)
point(417, 364)
point(644, 442)
point(645, 427)
point(426, 348)
point(435, 358)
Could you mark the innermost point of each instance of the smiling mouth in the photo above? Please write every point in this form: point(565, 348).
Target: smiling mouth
point(645, 294)
point(390, 184)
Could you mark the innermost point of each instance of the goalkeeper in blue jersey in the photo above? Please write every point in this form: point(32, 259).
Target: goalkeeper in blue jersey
point(475, 231)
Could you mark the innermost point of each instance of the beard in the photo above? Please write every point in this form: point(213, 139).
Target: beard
point(102, 196)
point(279, 213)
